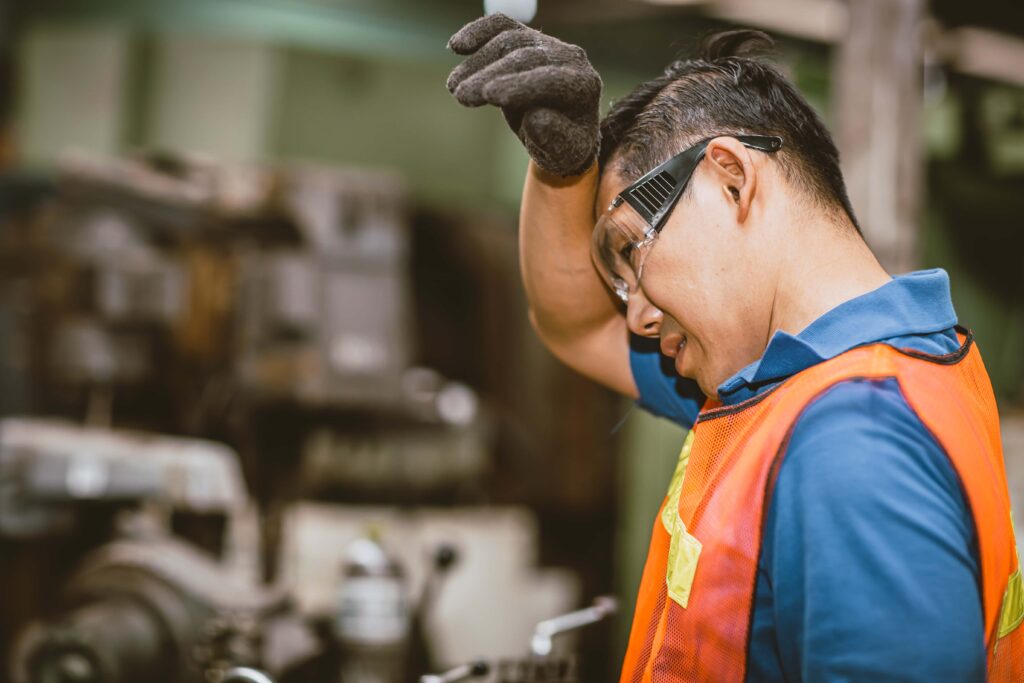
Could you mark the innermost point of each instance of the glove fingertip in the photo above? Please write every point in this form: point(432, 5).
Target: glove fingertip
point(468, 96)
point(473, 35)
point(458, 46)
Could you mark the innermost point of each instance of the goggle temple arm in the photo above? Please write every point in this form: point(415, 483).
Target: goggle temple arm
point(654, 195)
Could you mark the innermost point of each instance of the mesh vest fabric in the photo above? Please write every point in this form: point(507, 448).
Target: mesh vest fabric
point(693, 613)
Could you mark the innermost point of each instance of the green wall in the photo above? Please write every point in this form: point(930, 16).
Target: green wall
point(395, 114)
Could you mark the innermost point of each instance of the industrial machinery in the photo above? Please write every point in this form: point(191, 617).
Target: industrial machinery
point(51, 470)
point(217, 347)
point(185, 296)
point(156, 610)
point(140, 604)
point(545, 664)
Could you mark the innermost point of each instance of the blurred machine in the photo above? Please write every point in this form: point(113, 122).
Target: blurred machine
point(151, 609)
point(545, 664)
point(139, 604)
point(191, 298)
point(51, 469)
point(144, 604)
point(267, 315)
point(147, 605)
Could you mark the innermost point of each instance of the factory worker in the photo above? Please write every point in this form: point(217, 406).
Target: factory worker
point(839, 510)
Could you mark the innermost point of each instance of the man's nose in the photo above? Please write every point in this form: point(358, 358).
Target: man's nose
point(642, 317)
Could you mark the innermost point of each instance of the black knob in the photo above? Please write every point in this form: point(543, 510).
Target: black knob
point(445, 556)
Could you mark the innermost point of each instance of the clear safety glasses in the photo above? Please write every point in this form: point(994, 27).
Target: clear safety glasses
point(625, 232)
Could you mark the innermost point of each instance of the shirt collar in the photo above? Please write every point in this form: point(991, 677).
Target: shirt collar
point(917, 303)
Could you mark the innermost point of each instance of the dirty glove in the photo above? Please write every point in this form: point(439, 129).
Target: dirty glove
point(547, 90)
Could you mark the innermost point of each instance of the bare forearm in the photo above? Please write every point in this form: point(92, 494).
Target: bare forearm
point(572, 311)
point(566, 296)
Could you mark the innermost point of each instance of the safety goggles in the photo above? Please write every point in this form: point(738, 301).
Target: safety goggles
point(625, 232)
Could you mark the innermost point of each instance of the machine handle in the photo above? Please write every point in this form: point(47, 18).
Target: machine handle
point(243, 674)
point(459, 673)
point(541, 643)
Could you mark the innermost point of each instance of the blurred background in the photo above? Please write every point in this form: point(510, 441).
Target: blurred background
point(269, 395)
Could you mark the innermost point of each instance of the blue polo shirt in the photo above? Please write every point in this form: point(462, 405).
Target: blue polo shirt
point(869, 565)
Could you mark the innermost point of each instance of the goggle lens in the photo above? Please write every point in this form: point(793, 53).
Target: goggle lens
point(620, 242)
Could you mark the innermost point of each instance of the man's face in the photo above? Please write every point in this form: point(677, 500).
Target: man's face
point(702, 290)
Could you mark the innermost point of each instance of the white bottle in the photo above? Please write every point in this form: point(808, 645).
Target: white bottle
point(373, 614)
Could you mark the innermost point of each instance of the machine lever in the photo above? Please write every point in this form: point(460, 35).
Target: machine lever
point(541, 643)
point(464, 672)
point(243, 674)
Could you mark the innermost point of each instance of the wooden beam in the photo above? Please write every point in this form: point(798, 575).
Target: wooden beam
point(983, 53)
point(968, 50)
point(877, 100)
point(822, 21)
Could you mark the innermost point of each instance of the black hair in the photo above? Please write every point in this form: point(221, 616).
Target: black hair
point(726, 90)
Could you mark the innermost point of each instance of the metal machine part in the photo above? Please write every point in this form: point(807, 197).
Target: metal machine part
point(539, 670)
point(47, 467)
point(149, 610)
point(374, 615)
point(464, 672)
point(244, 674)
point(329, 323)
point(199, 297)
point(541, 643)
point(541, 666)
point(418, 457)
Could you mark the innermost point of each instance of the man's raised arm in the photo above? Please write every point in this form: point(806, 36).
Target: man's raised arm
point(550, 96)
point(570, 308)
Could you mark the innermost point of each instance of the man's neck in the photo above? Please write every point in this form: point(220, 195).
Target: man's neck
point(826, 271)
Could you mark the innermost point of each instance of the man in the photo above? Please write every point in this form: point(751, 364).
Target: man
point(840, 510)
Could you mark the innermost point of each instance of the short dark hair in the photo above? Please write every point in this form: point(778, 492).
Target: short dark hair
point(726, 90)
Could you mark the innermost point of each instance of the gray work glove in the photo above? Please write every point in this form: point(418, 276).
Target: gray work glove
point(547, 90)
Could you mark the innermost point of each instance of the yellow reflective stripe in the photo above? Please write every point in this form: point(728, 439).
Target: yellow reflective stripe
point(675, 487)
point(1011, 614)
point(684, 549)
point(683, 553)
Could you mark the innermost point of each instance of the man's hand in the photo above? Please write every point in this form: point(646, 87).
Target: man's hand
point(547, 89)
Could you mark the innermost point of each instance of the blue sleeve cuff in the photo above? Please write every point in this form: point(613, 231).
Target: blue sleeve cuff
point(662, 391)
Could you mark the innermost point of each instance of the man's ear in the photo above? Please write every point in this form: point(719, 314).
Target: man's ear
point(733, 168)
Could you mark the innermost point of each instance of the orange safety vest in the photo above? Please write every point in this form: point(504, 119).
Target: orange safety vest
point(693, 612)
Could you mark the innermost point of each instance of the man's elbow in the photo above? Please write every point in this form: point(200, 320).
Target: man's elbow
point(557, 339)
point(598, 352)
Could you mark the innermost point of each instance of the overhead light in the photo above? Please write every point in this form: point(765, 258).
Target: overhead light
point(521, 10)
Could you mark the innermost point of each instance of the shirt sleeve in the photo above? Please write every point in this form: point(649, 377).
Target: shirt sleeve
point(662, 391)
point(870, 549)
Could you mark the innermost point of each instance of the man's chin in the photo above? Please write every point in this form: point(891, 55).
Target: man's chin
point(708, 386)
point(684, 367)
